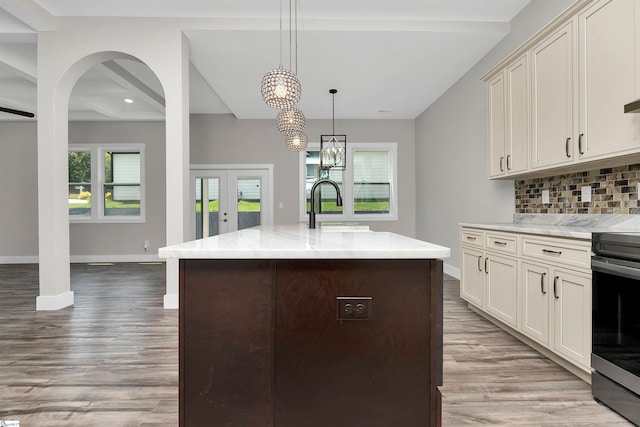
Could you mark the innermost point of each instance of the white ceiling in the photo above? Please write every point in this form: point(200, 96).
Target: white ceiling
point(387, 58)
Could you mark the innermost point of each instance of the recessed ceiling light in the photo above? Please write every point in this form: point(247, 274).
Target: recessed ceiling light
point(385, 111)
point(128, 100)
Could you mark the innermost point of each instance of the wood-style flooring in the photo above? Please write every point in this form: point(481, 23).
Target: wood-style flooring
point(112, 359)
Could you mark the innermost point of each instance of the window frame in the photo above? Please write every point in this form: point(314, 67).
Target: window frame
point(348, 213)
point(98, 183)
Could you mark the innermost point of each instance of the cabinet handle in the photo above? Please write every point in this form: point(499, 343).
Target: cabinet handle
point(495, 242)
point(486, 270)
point(509, 162)
point(479, 265)
point(548, 251)
point(542, 284)
point(580, 143)
point(555, 287)
point(566, 147)
point(501, 160)
point(471, 238)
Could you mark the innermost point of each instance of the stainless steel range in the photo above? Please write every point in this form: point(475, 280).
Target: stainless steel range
point(615, 357)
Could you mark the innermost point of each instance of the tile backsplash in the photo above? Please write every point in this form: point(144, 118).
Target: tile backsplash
point(613, 191)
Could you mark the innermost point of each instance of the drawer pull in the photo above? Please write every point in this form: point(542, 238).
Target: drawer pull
point(495, 242)
point(479, 265)
point(548, 251)
point(555, 287)
point(542, 276)
point(471, 238)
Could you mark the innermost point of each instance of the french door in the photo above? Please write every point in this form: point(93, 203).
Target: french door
point(227, 200)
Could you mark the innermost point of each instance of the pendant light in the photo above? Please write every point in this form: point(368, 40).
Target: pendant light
point(290, 121)
point(297, 141)
point(333, 148)
point(281, 88)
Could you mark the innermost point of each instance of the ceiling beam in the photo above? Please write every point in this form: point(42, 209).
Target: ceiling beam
point(124, 78)
point(29, 12)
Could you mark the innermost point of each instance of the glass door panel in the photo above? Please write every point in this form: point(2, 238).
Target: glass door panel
point(248, 202)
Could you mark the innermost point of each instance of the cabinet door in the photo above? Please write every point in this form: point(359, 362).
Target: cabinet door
point(572, 315)
point(472, 276)
point(502, 296)
point(497, 116)
point(552, 71)
point(535, 302)
point(608, 57)
point(375, 373)
point(517, 139)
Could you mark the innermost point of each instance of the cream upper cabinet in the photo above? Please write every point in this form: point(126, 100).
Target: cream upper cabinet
point(497, 124)
point(552, 89)
point(517, 140)
point(609, 77)
point(508, 136)
point(557, 103)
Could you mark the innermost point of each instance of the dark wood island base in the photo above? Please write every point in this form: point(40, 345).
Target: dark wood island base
point(313, 343)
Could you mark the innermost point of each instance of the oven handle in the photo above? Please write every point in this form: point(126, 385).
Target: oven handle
point(612, 267)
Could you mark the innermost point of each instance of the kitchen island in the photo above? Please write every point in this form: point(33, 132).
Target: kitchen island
point(285, 326)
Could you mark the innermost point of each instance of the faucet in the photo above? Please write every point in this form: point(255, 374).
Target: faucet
point(312, 211)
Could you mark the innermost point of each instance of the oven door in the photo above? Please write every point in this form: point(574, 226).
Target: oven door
point(616, 320)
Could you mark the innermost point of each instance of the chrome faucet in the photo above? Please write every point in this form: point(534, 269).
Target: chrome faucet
point(312, 211)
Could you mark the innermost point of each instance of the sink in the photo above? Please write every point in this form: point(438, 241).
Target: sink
point(342, 227)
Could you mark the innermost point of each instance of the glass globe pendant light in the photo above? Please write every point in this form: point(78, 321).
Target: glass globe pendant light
point(297, 141)
point(290, 121)
point(281, 88)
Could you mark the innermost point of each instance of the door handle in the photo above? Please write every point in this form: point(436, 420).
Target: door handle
point(542, 284)
point(555, 287)
point(486, 270)
point(509, 162)
point(479, 265)
point(580, 143)
point(566, 147)
point(501, 161)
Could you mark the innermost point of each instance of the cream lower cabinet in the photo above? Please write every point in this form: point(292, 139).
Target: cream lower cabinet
point(537, 285)
point(489, 273)
point(556, 310)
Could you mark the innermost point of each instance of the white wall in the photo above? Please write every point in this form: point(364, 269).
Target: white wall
point(223, 139)
point(451, 146)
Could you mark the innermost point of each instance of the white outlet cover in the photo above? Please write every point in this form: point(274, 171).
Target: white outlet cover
point(586, 193)
point(545, 196)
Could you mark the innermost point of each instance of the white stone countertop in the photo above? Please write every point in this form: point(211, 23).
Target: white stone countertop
point(297, 241)
point(573, 226)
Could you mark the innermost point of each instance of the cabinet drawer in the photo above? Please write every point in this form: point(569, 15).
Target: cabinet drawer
point(502, 242)
point(471, 237)
point(558, 251)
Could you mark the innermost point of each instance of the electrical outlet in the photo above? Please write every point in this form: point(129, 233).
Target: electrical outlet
point(146, 245)
point(354, 308)
point(585, 193)
point(545, 197)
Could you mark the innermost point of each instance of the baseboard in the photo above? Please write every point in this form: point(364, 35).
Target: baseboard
point(86, 258)
point(171, 301)
point(54, 302)
point(575, 370)
point(451, 271)
point(18, 259)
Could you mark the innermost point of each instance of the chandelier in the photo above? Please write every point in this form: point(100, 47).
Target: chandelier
point(333, 154)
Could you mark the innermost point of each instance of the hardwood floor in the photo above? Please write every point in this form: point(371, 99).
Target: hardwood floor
point(112, 359)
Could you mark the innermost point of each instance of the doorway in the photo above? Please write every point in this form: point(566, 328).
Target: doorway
point(230, 199)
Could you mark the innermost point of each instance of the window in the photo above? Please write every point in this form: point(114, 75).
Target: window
point(367, 184)
point(105, 184)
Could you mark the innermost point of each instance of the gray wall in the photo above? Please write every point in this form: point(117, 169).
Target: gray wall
point(19, 189)
point(215, 139)
point(222, 139)
point(451, 146)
